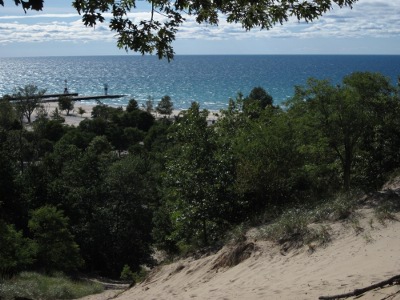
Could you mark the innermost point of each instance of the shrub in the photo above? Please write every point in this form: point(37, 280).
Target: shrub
point(339, 208)
point(126, 273)
point(37, 286)
point(290, 226)
point(136, 277)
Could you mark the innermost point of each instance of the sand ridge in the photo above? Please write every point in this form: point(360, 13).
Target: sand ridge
point(352, 260)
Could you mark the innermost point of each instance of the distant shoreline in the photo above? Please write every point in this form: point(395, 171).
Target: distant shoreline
point(74, 119)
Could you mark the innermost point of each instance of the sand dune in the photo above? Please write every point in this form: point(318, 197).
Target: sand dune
point(352, 260)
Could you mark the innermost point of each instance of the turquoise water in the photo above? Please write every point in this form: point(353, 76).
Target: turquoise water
point(209, 80)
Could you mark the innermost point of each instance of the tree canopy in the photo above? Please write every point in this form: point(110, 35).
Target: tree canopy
point(155, 34)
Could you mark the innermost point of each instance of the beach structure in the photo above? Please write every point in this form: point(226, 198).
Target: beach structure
point(74, 96)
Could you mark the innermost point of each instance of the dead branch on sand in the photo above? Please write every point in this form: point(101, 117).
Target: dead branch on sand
point(357, 292)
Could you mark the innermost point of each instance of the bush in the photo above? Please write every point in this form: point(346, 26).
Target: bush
point(36, 286)
point(126, 273)
point(136, 277)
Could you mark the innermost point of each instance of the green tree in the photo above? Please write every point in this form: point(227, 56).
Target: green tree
point(260, 94)
point(77, 187)
point(156, 139)
point(8, 117)
point(66, 103)
point(57, 250)
point(149, 106)
point(7, 186)
point(117, 138)
point(377, 155)
point(268, 163)
point(132, 105)
point(197, 181)
point(81, 111)
point(20, 146)
point(16, 252)
point(51, 130)
point(127, 214)
point(140, 119)
point(256, 102)
point(165, 106)
point(100, 145)
point(105, 112)
point(28, 99)
point(340, 116)
point(96, 126)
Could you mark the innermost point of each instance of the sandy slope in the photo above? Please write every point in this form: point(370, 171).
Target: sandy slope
point(352, 260)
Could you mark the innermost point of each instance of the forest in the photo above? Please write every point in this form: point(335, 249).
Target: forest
point(106, 194)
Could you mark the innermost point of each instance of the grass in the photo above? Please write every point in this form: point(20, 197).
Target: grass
point(321, 235)
point(33, 285)
point(354, 222)
point(236, 234)
point(339, 208)
point(386, 210)
point(293, 225)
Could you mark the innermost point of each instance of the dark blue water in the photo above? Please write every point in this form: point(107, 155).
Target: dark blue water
point(209, 80)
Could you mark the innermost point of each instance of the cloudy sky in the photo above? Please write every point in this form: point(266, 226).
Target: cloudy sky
point(371, 27)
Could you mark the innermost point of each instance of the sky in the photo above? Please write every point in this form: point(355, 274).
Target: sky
point(370, 27)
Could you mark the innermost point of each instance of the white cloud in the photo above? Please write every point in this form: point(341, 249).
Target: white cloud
point(73, 31)
point(39, 16)
point(368, 18)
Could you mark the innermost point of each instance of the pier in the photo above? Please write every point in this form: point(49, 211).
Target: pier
point(59, 95)
point(74, 97)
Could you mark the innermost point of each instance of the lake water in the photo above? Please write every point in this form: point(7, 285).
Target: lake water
point(209, 80)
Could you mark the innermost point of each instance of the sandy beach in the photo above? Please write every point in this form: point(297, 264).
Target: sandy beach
point(74, 118)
